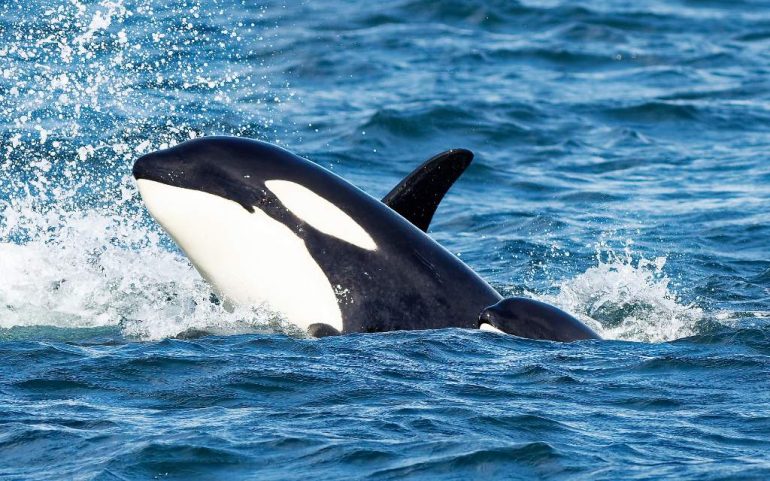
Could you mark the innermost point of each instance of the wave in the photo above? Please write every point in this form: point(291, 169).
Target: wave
point(628, 297)
point(654, 112)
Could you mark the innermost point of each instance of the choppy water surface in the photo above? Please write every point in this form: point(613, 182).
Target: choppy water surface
point(622, 172)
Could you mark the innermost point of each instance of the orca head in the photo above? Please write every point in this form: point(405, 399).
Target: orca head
point(233, 206)
point(230, 168)
point(533, 319)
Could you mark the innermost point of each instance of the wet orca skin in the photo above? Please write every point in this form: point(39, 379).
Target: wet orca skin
point(535, 320)
point(265, 226)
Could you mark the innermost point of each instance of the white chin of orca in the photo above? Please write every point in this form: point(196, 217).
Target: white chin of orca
point(490, 328)
point(250, 258)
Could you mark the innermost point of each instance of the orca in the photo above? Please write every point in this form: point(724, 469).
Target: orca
point(268, 228)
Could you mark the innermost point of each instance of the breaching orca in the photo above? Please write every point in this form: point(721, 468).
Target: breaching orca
point(266, 227)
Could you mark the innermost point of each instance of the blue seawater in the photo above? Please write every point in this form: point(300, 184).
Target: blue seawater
point(622, 172)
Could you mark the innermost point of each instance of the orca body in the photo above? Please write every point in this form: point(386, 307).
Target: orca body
point(535, 320)
point(266, 227)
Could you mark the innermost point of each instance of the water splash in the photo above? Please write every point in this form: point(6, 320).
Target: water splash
point(624, 297)
point(86, 87)
point(93, 270)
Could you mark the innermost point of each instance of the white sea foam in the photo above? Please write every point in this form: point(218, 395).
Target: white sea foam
point(87, 269)
point(627, 297)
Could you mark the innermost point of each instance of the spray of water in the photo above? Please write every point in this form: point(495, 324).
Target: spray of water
point(92, 270)
point(86, 87)
point(627, 297)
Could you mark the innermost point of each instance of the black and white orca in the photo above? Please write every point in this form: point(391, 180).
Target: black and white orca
point(266, 227)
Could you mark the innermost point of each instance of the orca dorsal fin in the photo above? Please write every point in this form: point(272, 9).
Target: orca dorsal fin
point(417, 197)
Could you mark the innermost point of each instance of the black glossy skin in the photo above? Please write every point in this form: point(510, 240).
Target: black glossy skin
point(417, 196)
point(409, 282)
point(535, 320)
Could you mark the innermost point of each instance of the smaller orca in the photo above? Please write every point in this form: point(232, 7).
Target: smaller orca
point(535, 320)
point(266, 227)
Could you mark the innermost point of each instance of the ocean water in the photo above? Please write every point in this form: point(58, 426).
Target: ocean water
point(622, 172)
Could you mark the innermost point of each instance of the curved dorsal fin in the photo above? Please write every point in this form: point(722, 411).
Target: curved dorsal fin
point(418, 195)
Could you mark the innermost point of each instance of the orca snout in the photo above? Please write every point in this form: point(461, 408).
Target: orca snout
point(158, 166)
point(488, 316)
point(142, 167)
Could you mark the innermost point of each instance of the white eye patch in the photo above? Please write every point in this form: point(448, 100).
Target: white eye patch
point(320, 213)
